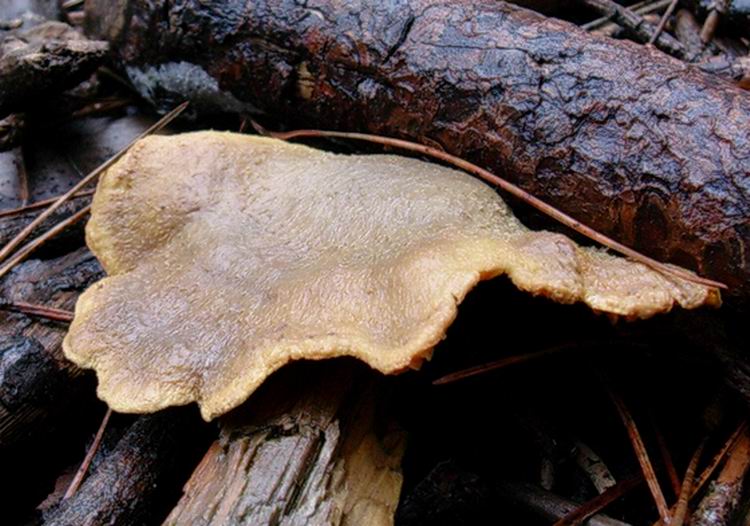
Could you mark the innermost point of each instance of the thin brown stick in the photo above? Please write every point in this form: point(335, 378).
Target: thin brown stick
point(497, 364)
point(663, 21)
point(643, 459)
point(598, 503)
point(680, 512)
point(42, 203)
point(641, 8)
point(32, 245)
point(51, 313)
point(23, 176)
point(507, 186)
point(636, 24)
point(102, 106)
point(23, 234)
point(666, 457)
point(78, 478)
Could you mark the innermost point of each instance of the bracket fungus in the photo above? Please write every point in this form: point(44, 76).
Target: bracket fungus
point(230, 255)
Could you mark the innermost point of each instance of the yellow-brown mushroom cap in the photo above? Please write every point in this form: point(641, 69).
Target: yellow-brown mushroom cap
point(230, 255)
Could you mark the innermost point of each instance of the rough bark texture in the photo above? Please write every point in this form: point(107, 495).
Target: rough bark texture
point(43, 60)
point(308, 448)
point(639, 145)
point(37, 383)
point(135, 480)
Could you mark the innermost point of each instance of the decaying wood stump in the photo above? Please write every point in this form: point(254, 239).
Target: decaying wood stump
point(310, 447)
point(638, 145)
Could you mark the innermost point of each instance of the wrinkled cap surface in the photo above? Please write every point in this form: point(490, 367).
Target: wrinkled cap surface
point(230, 255)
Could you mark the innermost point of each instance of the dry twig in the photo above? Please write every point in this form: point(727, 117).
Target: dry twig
point(680, 513)
point(600, 502)
point(663, 21)
point(666, 457)
point(711, 468)
point(42, 203)
point(492, 366)
point(83, 469)
point(642, 8)
point(636, 24)
point(32, 245)
point(51, 313)
point(547, 504)
point(643, 459)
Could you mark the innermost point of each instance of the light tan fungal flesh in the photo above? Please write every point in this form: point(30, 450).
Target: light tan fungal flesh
point(230, 255)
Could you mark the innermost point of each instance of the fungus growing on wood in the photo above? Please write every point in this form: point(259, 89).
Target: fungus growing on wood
point(230, 255)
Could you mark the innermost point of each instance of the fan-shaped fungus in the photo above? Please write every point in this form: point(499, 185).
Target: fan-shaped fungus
point(230, 255)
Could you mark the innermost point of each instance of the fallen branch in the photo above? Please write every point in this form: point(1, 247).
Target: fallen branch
point(639, 27)
point(45, 59)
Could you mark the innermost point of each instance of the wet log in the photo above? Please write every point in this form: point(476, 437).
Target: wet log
point(311, 447)
point(142, 474)
point(639, 145)
point(42, 60)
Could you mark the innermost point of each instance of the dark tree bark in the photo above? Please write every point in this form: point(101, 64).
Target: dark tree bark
point(43, 60)
point(636, 144)
point(133, 484)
